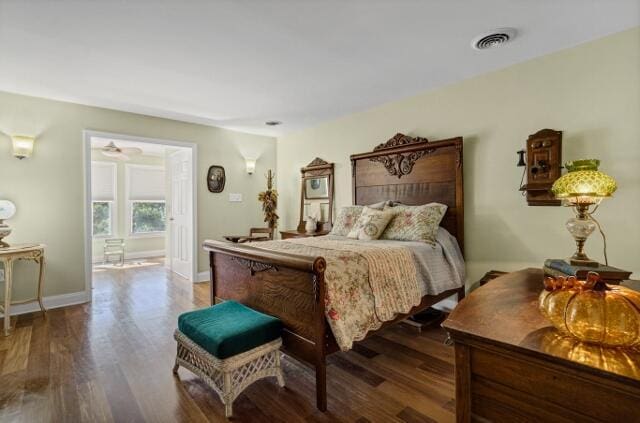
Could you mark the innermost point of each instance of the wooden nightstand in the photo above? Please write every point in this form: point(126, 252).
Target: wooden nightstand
point(301, 234)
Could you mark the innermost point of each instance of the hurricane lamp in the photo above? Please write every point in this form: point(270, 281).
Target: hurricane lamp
point(581, 188)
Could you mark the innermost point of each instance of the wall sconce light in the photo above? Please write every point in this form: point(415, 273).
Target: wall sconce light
point(251, 166)
point(22, 146)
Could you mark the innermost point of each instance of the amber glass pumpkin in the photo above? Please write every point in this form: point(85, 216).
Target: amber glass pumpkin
point(592, 311)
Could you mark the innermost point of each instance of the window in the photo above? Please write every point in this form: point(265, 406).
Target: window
point(146, 200)
point(103, 196)
point(102, 218)
point(147, 217)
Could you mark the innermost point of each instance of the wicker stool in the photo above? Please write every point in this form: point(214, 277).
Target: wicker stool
point(232, 374)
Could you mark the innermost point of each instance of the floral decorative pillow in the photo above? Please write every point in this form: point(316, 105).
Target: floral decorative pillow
point(347, 218)
point(415, 223)
point(370, 224)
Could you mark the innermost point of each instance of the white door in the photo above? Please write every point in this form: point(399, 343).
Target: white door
point(181, 214)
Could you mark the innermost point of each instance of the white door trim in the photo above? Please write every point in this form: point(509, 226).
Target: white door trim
point(87, 134)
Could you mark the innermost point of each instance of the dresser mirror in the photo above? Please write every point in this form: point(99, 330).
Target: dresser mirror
point(316, 194)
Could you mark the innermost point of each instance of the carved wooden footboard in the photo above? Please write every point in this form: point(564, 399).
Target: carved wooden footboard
point(288, 286)
point(292, 288)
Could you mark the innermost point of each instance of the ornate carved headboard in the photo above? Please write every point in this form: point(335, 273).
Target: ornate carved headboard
point(413, 171)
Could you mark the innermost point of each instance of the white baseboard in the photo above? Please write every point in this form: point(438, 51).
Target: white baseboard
point(54, 301)
point(145, 254)
point(202, 277)
point(136, 255)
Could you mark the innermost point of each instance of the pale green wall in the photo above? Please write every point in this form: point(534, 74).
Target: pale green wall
point(590, 92)
point(48, 188)
point(133, 244)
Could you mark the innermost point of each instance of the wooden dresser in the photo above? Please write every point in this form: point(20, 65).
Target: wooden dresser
point(511, 364)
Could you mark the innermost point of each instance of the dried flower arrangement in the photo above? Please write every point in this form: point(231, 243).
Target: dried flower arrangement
point(269, 200)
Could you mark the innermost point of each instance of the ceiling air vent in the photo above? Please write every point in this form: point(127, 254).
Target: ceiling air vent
point(493, 38)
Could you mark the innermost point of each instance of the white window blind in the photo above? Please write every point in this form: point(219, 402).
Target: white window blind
point(103, 181)
point(145, 183)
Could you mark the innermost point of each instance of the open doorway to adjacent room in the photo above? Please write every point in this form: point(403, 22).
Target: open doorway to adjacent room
point(140, 207)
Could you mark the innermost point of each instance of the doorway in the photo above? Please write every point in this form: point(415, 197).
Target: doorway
point(140, 205)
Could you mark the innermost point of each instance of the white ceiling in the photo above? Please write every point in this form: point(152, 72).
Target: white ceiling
point(237, 64)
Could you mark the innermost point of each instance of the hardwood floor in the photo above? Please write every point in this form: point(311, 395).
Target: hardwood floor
point(111, 360)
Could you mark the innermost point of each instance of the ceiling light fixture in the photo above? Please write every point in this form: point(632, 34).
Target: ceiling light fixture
point(273, 123)
point(493, 38)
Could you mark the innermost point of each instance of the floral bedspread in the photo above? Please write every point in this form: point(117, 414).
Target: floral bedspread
point(366, 284)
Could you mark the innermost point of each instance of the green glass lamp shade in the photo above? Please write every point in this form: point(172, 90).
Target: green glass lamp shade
point(584, 183)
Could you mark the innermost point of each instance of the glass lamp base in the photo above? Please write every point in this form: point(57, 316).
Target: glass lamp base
point(580, 228)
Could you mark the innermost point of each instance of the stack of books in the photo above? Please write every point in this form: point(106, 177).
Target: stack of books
point(560, 267)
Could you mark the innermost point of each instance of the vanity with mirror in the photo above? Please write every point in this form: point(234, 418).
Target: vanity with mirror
point(316, 201)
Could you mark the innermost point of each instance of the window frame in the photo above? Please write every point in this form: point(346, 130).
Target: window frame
point(153, 234)
point(129, 202)
point(113, 204)
point(111, 220)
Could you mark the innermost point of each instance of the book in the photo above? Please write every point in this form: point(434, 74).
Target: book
point(607, 273)
point(553, 272)
point(556, 273)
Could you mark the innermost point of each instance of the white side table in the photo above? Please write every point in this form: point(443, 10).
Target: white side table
point(10, 254)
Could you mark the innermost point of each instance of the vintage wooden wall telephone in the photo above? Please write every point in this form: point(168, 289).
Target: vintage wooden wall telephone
point(542, 161)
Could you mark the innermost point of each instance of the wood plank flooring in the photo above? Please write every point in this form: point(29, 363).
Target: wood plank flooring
point(111, 360)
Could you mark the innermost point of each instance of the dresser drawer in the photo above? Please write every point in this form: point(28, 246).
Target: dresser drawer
point(505, 383)
point(497, 403)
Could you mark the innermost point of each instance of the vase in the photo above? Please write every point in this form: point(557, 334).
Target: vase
point(311, 225)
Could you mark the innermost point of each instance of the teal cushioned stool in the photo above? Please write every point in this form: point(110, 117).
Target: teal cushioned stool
point(229, 346)
point(229, 328)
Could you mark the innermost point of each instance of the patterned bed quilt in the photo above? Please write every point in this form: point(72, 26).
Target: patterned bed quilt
point(370, 282)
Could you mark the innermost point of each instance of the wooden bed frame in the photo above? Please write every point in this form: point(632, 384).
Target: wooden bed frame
point(291, 287)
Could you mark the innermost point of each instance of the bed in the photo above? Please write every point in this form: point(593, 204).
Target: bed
point(292, 286)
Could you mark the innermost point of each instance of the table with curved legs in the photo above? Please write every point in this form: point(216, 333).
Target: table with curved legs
point(8, 255)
